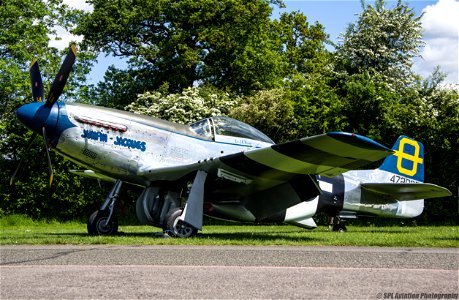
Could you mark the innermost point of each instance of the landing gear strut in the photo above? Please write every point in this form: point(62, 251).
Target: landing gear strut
point(335, 224)
point(187, 221)
point(103, 221)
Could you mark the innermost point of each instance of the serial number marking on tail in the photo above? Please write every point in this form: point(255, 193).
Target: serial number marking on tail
point(400, 179)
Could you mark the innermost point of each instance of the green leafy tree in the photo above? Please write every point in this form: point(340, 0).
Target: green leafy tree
point(364, 103)
point(301, 45)
point(382, 43)
point(373, 66)
point(307, 73)
point(430, 114)
point(23, 35)
point(120, 87)
point(25, 31)
point(232, 45)
point(301, 101)
point(317, 106)
point(382, 97)
point(186, 42)
point(270, 111)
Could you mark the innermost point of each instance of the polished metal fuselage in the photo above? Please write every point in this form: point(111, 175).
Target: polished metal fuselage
point(123, 145)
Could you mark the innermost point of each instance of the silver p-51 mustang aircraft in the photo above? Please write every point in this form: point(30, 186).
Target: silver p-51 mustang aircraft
point(217, 166)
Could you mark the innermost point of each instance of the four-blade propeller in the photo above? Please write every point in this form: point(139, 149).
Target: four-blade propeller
point(61, 77)
point(37, 92)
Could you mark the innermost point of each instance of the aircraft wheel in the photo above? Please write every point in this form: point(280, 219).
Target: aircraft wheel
point(339, 228)
point(178, 228)
point(144, 207)
point(97, 223)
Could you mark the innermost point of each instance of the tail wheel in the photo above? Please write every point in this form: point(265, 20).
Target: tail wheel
point(178, 228)
point(339, 228)
point(98, 225)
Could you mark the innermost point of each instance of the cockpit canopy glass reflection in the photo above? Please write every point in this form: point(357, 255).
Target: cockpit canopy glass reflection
point(225, 126)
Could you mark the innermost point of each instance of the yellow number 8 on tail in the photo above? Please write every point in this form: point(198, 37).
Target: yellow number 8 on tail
point(407, 160)
point(403, 155)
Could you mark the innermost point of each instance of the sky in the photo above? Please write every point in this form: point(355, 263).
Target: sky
point(439, 22)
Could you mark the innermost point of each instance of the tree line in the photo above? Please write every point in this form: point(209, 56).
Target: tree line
point(190, 59)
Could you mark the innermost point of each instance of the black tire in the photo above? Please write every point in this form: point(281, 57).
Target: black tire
point(177, 228)
point(97, 223)
point(145, 213)
point(339, 228)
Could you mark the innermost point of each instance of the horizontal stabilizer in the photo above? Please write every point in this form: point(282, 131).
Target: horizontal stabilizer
point(406, 191)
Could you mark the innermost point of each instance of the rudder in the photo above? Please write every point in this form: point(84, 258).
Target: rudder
point(407, 160)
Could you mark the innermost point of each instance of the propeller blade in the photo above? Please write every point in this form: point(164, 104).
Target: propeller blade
point(20, 160)
point(62, 76)
point(50, 167)
point(35, 80)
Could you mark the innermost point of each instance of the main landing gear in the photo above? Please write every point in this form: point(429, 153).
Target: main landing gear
point(176, 227)
point(335, 224)
point(104, 221)
point(163, 207)
point(158, 207)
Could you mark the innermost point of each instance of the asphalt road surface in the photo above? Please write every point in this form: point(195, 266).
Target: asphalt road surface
point(184, 272)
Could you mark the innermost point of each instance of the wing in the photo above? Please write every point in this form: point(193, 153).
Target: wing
point(328, 154)
point(92, 174)
point(270, 179)
point(405, 191)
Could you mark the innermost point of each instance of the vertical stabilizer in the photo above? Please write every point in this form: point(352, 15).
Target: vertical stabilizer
point(407, 160)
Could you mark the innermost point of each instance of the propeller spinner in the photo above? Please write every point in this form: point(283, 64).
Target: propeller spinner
point(41, 117)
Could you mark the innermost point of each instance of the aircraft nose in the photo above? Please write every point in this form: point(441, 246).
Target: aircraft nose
point(35, 116)
point(31, 115)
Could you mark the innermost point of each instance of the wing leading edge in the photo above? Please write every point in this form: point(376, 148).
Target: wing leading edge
point(92, 174)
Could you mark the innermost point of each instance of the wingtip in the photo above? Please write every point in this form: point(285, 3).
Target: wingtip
point(360, 138)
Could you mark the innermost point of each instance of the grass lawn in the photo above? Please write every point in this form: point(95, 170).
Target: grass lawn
point(21, 230)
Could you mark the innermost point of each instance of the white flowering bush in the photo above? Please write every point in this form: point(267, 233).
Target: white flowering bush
point(191, 105)
point(382, 43)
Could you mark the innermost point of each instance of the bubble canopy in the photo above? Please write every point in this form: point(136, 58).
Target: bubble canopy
point(225, 126)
